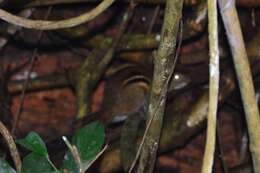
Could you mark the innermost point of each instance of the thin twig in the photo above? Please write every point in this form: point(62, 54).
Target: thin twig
point(51, 25)
point(155, 15)
point(27, 81)
point(52, 165)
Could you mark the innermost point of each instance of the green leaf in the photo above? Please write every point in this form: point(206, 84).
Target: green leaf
point(89, 140)
point(35, 163)
point(69, 163)
point(34, 143)
point(5, 167)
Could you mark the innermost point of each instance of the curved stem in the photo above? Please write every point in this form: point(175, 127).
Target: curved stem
point(51, 25)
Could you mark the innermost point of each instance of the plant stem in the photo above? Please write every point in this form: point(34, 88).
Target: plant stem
point(51, 25)
point(213, 87)
point(74, 151)
point(240, 58)
point(52, 165)
point(163, 69)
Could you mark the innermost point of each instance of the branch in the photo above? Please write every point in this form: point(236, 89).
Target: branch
point(214, 87)
point(240, 58)
point(51, 25)
point(163, 68)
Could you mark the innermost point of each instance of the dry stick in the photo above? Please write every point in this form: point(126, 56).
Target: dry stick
point(213, 87)
point(162, 97)
point(162, 74)
point(155, 15)
point(165, 90)
point(51, 25)
point(26, 83)
point(235, 38)
point(12, 147)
